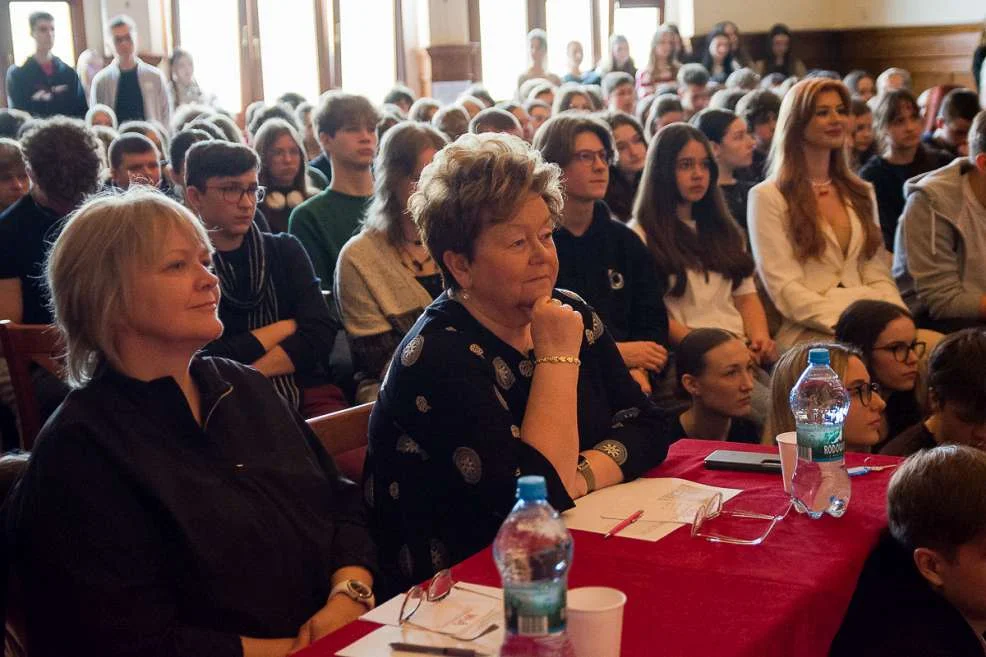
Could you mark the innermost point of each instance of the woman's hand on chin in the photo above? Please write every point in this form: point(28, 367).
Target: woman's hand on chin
point(556, 328)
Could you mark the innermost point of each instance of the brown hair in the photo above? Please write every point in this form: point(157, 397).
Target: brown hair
point(786, 372)
point(396, 160)
point(270, 132)
point(556, 136)
point(64, 158)
point(11, 157)
point(786, 168)
point(476, 182)
point(936, 499)
point(337, 108)
point(890, 106)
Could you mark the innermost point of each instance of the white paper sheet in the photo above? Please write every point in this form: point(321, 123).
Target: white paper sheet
point(667, 504)
point(465, 612)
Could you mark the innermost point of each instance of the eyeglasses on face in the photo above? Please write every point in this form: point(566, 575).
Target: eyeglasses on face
point(865, 392)
point(902, 350)
point(234, 193)
point(588, 158)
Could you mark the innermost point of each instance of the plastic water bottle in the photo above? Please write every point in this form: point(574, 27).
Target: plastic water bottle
point(533, 551)
point(820, 403)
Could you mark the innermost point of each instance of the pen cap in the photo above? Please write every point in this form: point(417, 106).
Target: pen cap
point(531, 488)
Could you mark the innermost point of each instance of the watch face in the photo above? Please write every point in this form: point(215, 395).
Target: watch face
point(360, 589)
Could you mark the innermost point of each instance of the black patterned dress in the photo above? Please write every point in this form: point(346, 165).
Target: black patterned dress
point(445, 448)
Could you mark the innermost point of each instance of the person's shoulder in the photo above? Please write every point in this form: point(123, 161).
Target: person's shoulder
point(873, 169)
point(283, 243)
point(364, 245)
point(14, 218)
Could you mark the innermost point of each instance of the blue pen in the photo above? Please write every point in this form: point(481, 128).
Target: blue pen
point(866, 469)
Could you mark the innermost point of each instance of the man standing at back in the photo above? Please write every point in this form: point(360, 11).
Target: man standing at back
point(134, 89)
point(346, 126)
point(45, 85)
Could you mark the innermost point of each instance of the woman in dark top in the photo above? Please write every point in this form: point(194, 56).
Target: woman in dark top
point(599, 258)
point(282, 171)
point(385, 277)
point(717, 370)
point(732, 145)
point(887, 339)
point(718, 59)
point(274, 316)
point(624, 174)
point(901, 156)
point(956, 397)
point(175, 504)
point(501, 376)
point(780, 57)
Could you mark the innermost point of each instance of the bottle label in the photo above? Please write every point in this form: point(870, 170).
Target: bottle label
point(820, 443)
point(535, 610)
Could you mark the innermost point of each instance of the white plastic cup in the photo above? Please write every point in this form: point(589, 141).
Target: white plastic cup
point(595, 621)
point(787, 445)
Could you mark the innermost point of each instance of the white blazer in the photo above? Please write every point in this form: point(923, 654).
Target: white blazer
point(812, 294)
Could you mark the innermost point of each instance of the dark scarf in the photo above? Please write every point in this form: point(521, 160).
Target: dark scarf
point(251, 291)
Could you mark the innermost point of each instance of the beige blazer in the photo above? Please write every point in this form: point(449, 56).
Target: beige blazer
point(811, 295)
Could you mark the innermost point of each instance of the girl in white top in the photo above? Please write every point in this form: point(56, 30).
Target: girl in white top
point(813, 222)
point(698, 247)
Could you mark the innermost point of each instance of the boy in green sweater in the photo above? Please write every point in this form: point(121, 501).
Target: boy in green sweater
point(346, 126)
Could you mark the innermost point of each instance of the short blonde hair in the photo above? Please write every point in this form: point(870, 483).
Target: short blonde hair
point(476, 182)
point(92, 266)
point(786, 373)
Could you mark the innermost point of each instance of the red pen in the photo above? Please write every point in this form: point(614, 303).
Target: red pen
point(623, 524)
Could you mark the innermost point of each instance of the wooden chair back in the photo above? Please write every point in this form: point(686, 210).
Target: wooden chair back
point(345, 435)
point(24, 345)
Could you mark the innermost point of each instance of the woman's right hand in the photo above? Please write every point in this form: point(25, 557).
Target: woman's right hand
point(556, 329)
point(646, 355)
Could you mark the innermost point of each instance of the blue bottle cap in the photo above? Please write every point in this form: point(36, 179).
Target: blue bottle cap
point(818, 357)
point(531, 488)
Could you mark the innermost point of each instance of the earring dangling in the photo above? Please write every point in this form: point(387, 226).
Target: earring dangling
point(463, 295)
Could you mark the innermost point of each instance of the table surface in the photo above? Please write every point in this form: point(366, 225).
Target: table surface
point(689, 597)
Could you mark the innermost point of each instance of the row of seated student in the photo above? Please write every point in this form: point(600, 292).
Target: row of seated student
point(558, 345)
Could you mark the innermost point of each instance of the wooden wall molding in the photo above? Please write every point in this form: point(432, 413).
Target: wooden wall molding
point(455, 62)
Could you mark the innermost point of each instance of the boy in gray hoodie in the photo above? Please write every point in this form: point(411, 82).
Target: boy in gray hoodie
point(940, 245)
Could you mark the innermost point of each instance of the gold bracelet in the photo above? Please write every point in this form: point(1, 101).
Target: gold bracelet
point(569, 360)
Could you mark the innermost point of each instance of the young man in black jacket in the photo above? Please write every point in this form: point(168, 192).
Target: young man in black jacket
point(272, 308)
point(45, 85)
point(923, 589)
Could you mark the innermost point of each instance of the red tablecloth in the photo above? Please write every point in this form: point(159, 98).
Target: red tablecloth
point(689, 597)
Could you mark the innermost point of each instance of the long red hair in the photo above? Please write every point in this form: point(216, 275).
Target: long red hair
point(787, 167)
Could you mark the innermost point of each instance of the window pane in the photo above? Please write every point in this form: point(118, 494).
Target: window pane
point(288, 52)
point(638, 25)
point(210, 31)
point(503, 31)
point(368, 61)
point(603, 28)
point(21, 30)
point(568, 20)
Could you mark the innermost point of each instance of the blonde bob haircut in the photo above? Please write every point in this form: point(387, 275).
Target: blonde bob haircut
point(476, 182)
point(786, 373)
point(92, 266)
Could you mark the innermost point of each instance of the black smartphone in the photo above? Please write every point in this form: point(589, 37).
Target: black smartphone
point(725, 459)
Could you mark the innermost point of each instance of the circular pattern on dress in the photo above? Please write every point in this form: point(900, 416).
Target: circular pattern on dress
point(613, 449)
point(476, 349)
point(422, 404)
point(405, 562)
point(626, 414)
point(515, 431)
point(500, 398)
point(439, 555)
point(526, 368)
point(468, 463)
point(407, 445)
point(597, 329)
point(412, 351)
point(394, 490)
point(504, 376)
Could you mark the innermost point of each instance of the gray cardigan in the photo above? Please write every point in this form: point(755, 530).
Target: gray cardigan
point(379, 300)
point(153, 86)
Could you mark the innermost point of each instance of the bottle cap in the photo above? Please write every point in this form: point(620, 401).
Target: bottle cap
point(818, 357)
point(531, 488)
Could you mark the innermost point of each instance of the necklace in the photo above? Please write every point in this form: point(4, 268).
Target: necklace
point(822, 188)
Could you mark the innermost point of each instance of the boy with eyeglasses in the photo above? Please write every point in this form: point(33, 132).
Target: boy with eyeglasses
point(346, 126)
point(273, 314)
point(923, 588)
point(600, 258)
point(956, 395)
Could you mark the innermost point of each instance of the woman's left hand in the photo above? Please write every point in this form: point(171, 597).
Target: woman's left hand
point(338, 611)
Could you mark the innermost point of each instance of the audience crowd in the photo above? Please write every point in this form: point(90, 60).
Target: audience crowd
point(561, 283)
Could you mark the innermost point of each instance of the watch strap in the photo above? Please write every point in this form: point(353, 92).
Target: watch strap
point(351, 589)
point(585, 469)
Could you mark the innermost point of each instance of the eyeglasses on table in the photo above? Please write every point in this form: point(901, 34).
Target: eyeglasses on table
point(438, 588)
point(712, 508)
